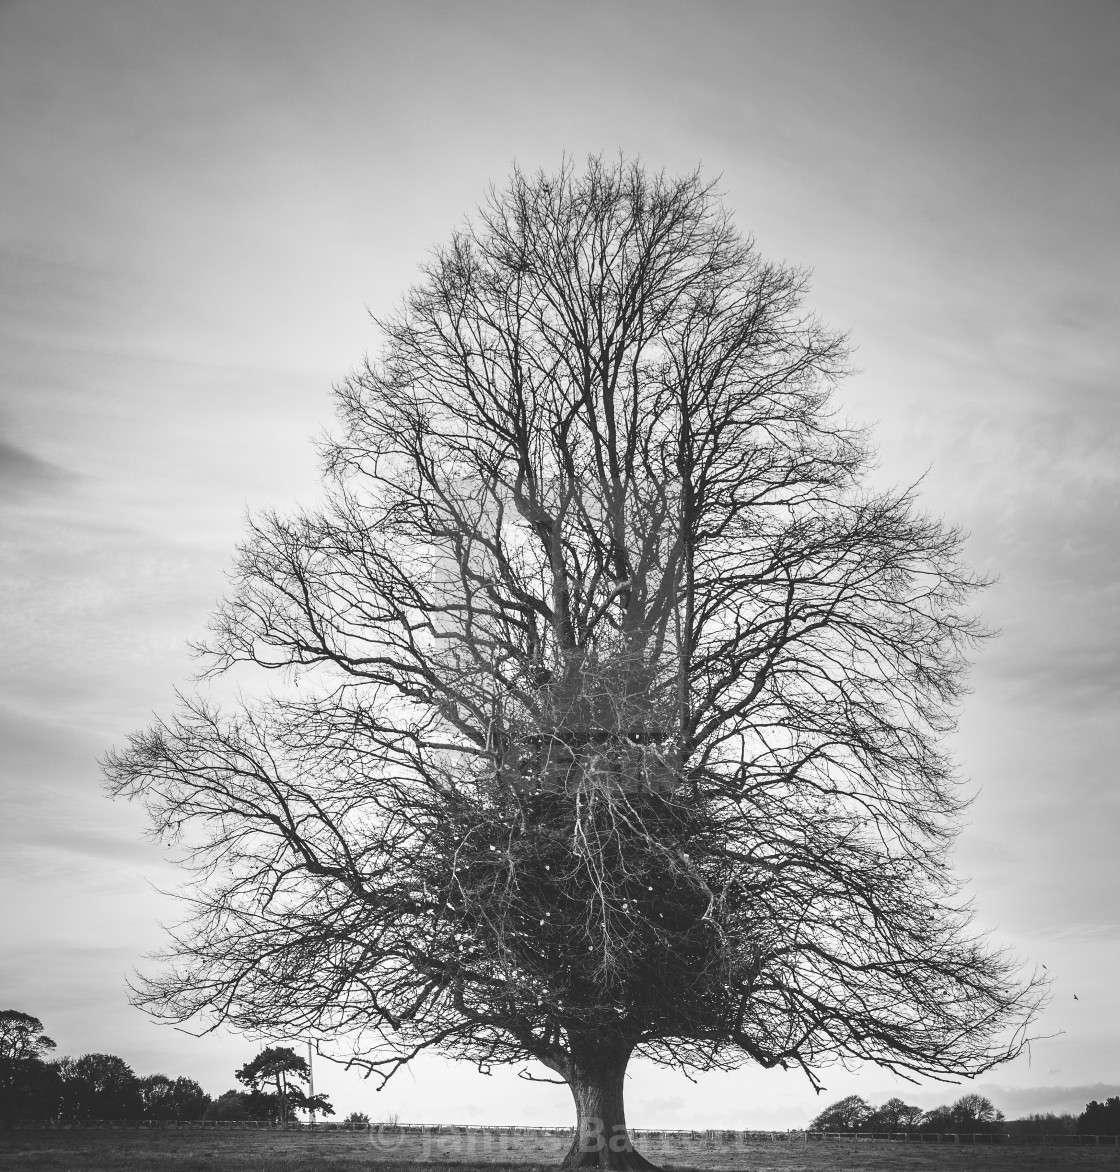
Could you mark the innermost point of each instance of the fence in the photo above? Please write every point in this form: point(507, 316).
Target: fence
point(728, 1138)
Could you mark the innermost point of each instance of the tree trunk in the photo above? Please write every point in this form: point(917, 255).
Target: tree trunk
point(601, 1139)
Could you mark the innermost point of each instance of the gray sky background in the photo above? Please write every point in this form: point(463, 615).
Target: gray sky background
point(199, 200)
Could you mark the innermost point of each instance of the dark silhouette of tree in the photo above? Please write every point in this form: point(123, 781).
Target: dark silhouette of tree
point(609, 695)
point(98, 1086)
point(938, 1119)
point(893, 1115)
point(283, 1069)
point(95, 1086)
point(975, 1113)
point(1100, 1118)
point(28, 1084)
point(971, 1113)
point(233, 1106)
point(22, 1037)
point(165, 1098)
point(848, 1114)
point(1040, 1124)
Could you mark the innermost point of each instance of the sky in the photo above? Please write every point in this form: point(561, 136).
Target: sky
point(200, 205)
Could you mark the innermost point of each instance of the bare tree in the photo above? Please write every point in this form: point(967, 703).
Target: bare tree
point(610, 698)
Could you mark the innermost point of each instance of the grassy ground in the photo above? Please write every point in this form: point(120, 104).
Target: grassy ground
point(196, 1151)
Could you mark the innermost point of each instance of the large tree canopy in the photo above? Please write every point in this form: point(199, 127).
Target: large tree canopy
point(281, 1068)
point(610, 694)
point(28, 1085)
point(21, 1037)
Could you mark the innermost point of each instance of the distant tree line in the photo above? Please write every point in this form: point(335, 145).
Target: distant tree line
point(102, 1086)
point(971, 1113)
point(1101, 1118)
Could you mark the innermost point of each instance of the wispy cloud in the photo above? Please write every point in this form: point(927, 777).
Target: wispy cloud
point(24, 475)
point(1058, 1098)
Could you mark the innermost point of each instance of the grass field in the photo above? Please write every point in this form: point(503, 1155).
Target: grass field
point(248, 1151)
